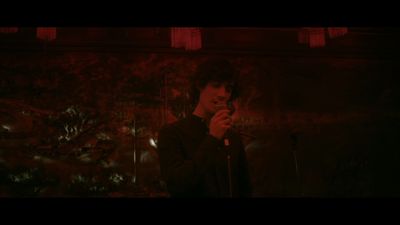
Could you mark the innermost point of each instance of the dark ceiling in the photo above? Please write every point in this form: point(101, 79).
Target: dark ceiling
point(375, 42)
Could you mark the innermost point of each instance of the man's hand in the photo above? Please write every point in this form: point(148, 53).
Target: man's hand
point(220, 123)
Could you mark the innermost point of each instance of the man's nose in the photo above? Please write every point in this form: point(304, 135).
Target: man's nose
point(222, 93)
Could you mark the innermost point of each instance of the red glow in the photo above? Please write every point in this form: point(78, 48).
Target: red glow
point(46, 33)
point(188, 38)
point(8, 29)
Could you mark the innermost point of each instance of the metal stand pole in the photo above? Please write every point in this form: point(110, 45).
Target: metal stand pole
point(230, 175)
point(134, 152)
point(294, 150)
point(228, 159)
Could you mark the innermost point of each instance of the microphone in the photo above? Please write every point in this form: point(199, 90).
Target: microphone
point(226, 144)
point(230, 107)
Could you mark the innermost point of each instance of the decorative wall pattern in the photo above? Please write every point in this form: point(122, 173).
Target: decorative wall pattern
point(86, 123)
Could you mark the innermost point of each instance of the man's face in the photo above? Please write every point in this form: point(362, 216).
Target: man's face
point(214, 94)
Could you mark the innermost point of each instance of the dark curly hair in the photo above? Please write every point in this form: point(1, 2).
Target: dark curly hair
point(214, 70)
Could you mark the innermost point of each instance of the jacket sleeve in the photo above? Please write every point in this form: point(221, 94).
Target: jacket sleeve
point(183, 175)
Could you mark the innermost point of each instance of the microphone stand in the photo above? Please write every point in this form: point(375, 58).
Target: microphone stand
point(134, 153)
point(294, 137)
point(228, 159)
point(226, 145)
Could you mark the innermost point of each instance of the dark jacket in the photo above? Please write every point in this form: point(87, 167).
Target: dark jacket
point(194, 163)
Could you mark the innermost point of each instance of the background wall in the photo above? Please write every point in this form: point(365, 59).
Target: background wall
point(78, 114)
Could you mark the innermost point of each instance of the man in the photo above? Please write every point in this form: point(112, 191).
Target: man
point(201, 156)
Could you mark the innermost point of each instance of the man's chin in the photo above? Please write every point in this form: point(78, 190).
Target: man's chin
point(211, 112)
